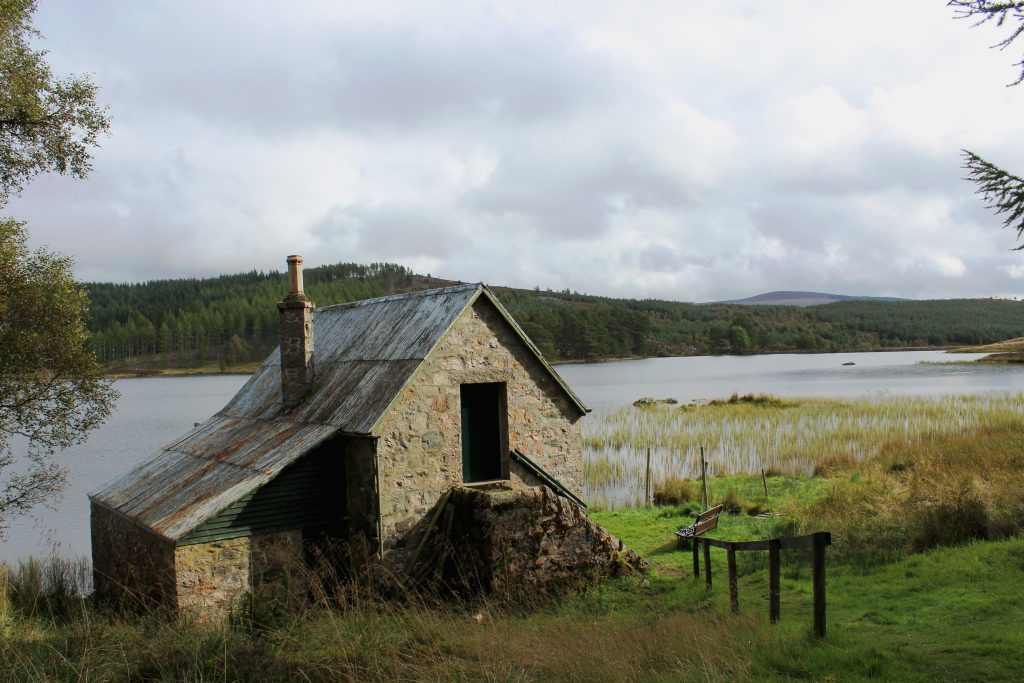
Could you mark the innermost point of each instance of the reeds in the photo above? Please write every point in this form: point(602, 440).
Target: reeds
point(791, 437)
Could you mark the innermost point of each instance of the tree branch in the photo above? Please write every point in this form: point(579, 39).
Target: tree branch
point(999, 12)
point(1002, 191)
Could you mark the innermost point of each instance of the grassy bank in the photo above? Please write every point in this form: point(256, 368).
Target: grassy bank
point(947, 614)
point(212, 368)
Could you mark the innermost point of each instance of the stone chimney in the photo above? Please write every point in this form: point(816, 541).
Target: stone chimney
point(296, 335)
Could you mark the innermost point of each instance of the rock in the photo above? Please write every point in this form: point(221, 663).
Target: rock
point(529, 542)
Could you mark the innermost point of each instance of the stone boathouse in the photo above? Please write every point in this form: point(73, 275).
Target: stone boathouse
point(369, 417)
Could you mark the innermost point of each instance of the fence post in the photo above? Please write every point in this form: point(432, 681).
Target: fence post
point(774, 545)
point(734, 589)
point(707, 563)
point(821, 539)
point(647, 479)
point(696, 557)
point(704, 477)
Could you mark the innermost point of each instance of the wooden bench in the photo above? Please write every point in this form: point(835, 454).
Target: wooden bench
point(705, 521)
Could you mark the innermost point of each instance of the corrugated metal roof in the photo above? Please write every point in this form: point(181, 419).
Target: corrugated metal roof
point(364, 354)
point(212, 466)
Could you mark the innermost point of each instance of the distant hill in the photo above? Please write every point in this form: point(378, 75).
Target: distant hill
point(231, 320)
point(802, 299)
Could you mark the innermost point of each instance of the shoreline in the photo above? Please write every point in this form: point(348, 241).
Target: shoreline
point(136, 373)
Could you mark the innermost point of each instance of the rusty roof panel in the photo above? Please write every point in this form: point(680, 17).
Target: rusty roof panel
point(206, 471)
point(399, 327)
point(357, 393)
point(260, 397)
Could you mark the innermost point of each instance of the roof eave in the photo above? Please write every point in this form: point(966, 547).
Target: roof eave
point(573, 398)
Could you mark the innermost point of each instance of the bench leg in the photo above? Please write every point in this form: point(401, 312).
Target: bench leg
point(696, 558)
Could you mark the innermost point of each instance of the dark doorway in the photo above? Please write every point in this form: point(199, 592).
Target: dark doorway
point(483, 431)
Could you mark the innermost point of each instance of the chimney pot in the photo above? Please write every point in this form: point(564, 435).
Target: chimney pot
point(295, 277)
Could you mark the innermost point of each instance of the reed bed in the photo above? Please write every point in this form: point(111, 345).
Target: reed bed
point(786, 437)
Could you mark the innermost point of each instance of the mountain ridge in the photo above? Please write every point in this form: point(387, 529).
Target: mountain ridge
point(801, 298)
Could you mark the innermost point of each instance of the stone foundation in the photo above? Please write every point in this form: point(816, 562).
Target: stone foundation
point(212, 577)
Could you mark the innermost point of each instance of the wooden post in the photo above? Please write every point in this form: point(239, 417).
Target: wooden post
point(647, 479)
point(774, 546)
point(704, 477)
point(696, 557)
point(764, 480)
point(734, 588)
point(707, 564)
point(821, 539)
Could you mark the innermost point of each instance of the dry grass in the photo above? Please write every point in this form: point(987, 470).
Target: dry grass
point(495, 646)
point(674, 491)
point(603, 636)
point(940, 491)
point(1010, 345)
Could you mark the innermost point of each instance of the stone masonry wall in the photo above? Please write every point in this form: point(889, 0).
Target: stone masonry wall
point(420, 451)
point(212, 577)
point(131, 563)
point(295, 330)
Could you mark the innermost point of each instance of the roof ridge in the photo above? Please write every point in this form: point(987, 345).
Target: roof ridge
point(437, 291)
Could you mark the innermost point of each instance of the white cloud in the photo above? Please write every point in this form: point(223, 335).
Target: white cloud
point(692, 151)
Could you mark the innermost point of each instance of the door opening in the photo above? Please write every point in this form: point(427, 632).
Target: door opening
point(484, 431)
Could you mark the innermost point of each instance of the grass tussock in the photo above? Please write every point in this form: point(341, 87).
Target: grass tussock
point(674, 491)
point(763, 400)
point(912, 497)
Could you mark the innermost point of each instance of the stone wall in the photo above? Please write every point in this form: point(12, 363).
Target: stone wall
point(212, 577)
point(295, 332)
point(420, 453)
point(131, 564)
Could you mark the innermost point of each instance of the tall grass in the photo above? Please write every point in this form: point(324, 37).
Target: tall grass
point(744, 437)
point(910, 497)
point(600, 636)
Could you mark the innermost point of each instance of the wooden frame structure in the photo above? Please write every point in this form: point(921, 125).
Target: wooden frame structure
point(818, 541)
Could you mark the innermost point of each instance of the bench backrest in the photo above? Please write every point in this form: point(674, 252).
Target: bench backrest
point(707, 520)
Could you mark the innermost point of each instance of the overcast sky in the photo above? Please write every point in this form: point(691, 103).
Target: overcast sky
point(681, 149)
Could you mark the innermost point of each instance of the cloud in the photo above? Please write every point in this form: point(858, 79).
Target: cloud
point(696, 152)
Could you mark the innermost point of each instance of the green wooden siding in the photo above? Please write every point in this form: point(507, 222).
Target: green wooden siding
point(308, 494)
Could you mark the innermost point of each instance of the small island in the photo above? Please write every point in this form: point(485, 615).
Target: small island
point(1010, 351)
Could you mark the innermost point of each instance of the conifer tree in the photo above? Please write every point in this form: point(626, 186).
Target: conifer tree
point(1001, 190)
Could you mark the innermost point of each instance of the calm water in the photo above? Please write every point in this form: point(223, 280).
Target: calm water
point(603, 386)
point(153, 411)
point(150, 414)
